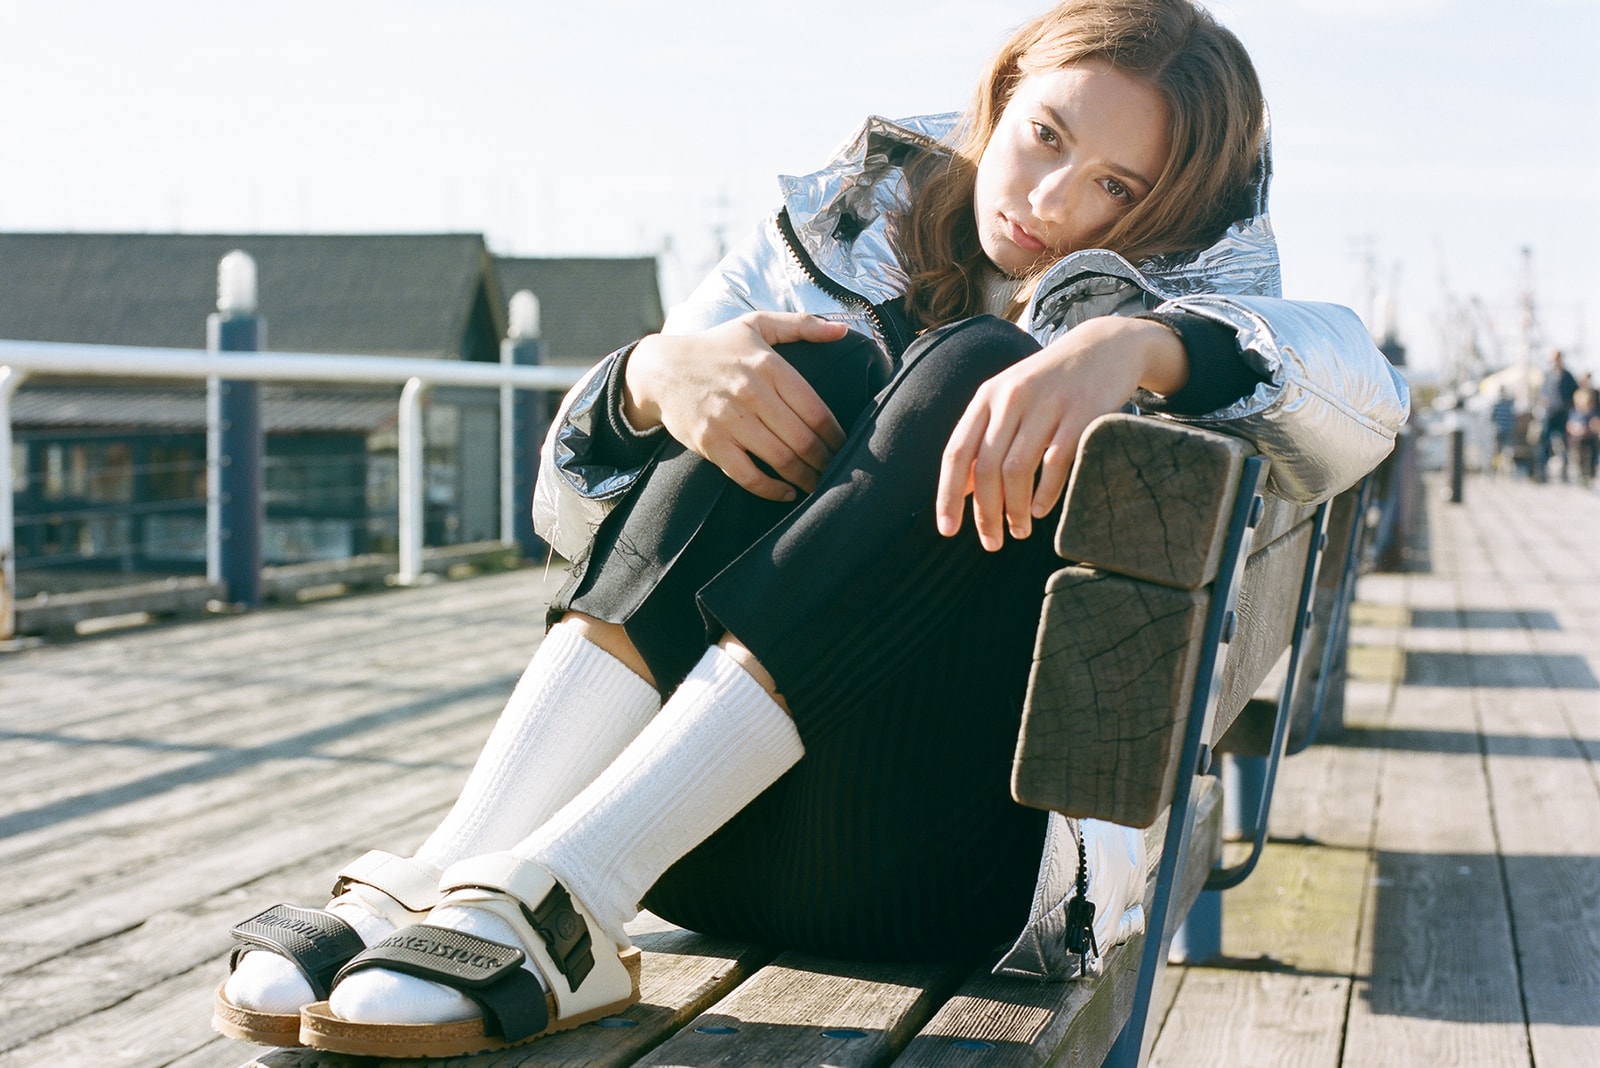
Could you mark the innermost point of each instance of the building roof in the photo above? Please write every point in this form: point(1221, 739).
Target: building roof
point(389, 294)
point(588, 307)
point(425, 295)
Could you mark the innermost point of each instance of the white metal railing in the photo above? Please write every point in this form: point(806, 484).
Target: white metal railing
point(18, 359)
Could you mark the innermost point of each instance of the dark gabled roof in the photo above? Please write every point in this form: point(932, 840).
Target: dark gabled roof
point(588, 306)
point(387, 294)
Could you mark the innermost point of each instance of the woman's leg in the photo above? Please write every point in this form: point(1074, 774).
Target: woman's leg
point(676, 530)
point(582, 698)
point(722, 740)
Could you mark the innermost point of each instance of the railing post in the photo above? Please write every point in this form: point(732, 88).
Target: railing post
point(412, 477)
point(235, 509)
point(10, 379)
point(523, 417)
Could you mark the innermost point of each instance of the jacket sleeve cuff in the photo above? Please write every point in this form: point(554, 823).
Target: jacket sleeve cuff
point(617, 443)
point(1218, 374)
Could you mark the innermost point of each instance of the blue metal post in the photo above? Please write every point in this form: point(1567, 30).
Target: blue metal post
point(1244, 780)
point(241, 512)
point(530, 419)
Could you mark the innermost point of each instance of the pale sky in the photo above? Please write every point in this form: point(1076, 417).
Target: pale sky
point(1419, 143)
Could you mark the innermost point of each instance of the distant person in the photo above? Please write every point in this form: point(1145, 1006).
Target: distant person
point(1503, 417)
point(1555, 404)
point(1583, 430)
point(780, 694)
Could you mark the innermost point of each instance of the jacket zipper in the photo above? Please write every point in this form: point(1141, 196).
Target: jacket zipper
point(886, 329)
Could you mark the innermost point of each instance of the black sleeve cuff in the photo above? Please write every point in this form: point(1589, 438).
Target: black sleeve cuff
point(616, 443)
point(1218, 374)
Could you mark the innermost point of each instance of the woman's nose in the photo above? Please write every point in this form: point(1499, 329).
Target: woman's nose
point(1052, 195)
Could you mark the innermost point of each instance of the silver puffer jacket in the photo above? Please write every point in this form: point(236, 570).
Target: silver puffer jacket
point(1327, 413)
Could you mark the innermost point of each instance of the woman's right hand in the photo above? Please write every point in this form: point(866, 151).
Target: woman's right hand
point(726, 395)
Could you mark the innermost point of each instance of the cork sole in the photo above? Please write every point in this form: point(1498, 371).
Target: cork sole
point(262, 1028)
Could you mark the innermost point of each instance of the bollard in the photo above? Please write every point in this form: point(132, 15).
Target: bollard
point(1458, 448)
point(1458, 462)
point(235, 443)
point(524, 418)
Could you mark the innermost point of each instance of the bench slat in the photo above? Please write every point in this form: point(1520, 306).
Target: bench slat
point(806, 1010)
point(1100, 733)
point(1151, 499)
point(1269, 603)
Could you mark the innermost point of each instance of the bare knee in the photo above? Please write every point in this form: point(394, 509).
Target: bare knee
point(612, 638)
point(746, 659)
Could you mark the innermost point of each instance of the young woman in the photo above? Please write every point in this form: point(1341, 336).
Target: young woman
point(766, 509)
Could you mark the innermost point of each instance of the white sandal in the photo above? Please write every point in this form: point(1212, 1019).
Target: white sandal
point(319, 943)
point(586, 976)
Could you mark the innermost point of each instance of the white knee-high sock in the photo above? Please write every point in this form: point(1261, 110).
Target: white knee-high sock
point(716, 745)
point(574, 709)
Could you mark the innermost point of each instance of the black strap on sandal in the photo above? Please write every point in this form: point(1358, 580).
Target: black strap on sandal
point(564, 933)
point(313, 940)
point(490, 973)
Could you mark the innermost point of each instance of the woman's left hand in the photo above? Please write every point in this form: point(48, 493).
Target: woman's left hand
point(1014, 447)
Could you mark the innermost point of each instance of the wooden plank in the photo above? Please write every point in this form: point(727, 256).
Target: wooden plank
point(806, 1010)
point(1017, 1022)
point(1151, 499)
point(1110, 689)
point(1547, 817)
point(263, 817)
point(1299, 911)
point(1441, 985)
point(182, 940)
point(154, 1027)
point(1240, 1020)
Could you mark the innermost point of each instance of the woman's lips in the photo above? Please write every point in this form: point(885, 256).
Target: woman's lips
point(1021, 238)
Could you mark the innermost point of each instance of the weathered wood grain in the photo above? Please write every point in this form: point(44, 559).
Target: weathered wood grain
point(1151, 499)
point(1223, 1020)
point(1110, 689)
point(1444, 987)
point(805, 1010)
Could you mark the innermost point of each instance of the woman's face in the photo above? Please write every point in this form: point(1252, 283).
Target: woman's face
point(1074, 150)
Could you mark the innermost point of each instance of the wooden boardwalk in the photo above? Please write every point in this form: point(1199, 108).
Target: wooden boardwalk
point(1431, 895)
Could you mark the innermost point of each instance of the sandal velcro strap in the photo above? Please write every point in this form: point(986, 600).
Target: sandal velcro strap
point(317, 942)
point(565, 933)
point(409, 881)
point(567, 947)
point(490, 973)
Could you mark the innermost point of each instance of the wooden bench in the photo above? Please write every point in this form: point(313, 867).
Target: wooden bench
point(1190, 582)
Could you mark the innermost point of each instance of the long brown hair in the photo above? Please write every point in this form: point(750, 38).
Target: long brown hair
point(1216, 112)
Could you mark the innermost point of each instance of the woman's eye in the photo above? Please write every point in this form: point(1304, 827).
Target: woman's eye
point(1045, 134)
point(1119, 191)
